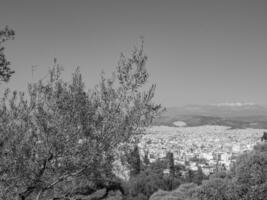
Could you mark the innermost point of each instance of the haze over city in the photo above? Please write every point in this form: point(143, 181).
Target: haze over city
point(199, 52)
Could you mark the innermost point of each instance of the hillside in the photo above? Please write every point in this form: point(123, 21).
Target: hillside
point(233, 115)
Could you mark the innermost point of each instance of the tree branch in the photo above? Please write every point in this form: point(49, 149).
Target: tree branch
point(63, 177)
point(39, 194)
point(30, 189)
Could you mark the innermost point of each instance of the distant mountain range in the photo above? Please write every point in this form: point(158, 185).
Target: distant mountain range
point(235, 115)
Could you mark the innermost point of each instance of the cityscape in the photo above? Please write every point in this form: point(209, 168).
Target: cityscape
point(208, 147)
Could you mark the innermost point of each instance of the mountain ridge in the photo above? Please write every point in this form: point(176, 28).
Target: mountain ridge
point(235, 116)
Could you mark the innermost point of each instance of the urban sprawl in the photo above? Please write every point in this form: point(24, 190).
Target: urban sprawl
point(208, 147)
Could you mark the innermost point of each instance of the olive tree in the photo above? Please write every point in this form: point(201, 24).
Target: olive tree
point(60, 140)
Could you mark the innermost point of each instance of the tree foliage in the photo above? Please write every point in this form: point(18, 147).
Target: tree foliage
point(250, 174)
point(184, 192)
point(247, 180)
point(5, 71)
point(61, 141)
point(151, 179)
point(134, 161)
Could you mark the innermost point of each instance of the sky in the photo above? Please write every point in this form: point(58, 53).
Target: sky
point(199, 52)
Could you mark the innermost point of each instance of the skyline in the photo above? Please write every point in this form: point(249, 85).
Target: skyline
point(199, 52)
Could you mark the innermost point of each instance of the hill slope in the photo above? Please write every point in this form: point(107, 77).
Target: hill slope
point(233, 115)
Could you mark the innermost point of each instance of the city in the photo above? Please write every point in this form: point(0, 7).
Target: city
point(207, 146)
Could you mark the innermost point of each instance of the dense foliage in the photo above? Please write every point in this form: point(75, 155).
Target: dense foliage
point(161, 175)
point(148, 181)
point(5, 71)
point(247, 180)
point(60, 142)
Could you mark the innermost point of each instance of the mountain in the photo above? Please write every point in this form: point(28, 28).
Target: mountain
point(235, 115)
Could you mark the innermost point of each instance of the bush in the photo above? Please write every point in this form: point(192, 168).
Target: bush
point(247, 180)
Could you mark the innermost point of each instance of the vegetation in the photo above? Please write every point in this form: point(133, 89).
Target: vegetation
point(162, 175)
point(247, 180)
point(60, 142)
point(5, 71)
point(151, 179)
point(184, 192)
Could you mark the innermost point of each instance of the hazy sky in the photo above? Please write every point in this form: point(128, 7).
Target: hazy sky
point(199, 52)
